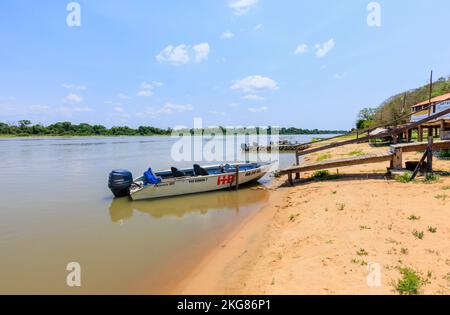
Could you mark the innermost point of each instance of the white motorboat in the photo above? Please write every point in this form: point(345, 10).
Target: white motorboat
point(175, 182)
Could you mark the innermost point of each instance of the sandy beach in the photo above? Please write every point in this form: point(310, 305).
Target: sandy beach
point(326, 237)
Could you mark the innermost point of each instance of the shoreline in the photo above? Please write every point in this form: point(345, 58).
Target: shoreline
point(206, 277)
point(322, 237)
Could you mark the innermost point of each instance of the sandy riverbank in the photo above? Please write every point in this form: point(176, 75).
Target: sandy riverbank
point(319, 237)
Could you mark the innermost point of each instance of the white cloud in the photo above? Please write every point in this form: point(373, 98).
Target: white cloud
point(241, 7)
point(339, 76)
point(215, 112)
point(82, 109)
point(301, 49)
point(174, 55)
point(63, 110)
point(227, 35)
point(258, 27)
point(118, 109)
point(167, 109)
point(201, 52)
point(75, 87)
point(255, 83)
point(157, 84)
point(146, 86)
point(253, 97)
point(176, 108)
point(73, 98)
point(258, 109)
point(234, 104)
point(123, 96)
point(183, 54)
point(145, 93)
point(323, 49)
point(39, 108)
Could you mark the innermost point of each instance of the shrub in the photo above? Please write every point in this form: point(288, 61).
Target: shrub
point(323, 175)
point(410, 283)
point(404, 178)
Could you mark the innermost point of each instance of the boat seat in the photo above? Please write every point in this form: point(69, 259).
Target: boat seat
point(176, 172)
point(199, 171)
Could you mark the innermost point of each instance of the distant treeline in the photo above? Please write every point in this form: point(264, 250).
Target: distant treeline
point(26, 128)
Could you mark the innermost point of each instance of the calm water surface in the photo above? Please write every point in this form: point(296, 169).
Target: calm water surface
point(56, 208)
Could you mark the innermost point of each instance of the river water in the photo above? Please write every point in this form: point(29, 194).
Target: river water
point(56, 208)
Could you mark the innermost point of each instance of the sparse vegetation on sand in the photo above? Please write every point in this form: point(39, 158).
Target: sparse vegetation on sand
point(413, 217)
point(324, 175)
point(323, 157)
point(410, 283)
point(356, 153)
point(418, 235)
point(404, 178)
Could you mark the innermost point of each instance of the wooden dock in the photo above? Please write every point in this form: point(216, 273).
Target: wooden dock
point(363, 159)
point(394, 156)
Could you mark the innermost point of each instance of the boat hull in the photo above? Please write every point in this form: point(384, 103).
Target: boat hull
point(200, 184)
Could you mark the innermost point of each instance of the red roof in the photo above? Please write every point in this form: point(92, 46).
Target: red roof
point(436, 99)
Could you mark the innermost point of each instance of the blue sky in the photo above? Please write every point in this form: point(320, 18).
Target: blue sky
point(308, 64)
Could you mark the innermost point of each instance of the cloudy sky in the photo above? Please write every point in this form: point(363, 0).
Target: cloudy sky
point(308, 64)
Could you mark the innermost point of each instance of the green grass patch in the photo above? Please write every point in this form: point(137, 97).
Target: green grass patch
point(404, 178)
point(323, 157)
point(324, 175)
point(356, 153)
point(431, 178)
point(444, 154)
point(410, 283)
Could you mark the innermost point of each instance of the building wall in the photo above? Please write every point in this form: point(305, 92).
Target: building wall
point(424, 114)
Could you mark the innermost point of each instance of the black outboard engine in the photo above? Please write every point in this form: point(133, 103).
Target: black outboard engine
point(120, 182)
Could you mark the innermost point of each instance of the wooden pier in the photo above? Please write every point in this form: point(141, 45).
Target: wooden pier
point(394, 156)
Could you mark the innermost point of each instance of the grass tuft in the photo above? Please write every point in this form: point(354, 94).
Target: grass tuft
point(413, 217)
point(404, 178)
point(323, 157)
point(431, 178)
point(323, 175)
point(356, 153)
point(432, 229)
point(418, 235)
point(410, 283)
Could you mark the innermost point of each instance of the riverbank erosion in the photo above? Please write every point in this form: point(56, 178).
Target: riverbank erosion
point(357, 233)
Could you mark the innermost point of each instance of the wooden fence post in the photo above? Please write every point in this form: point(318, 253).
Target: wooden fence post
point(420, 134)
point(297, 160)
point(430, 151)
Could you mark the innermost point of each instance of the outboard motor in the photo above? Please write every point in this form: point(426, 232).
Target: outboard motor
point(120, 182)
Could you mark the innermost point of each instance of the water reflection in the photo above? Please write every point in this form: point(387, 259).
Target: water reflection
point(122, 209)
